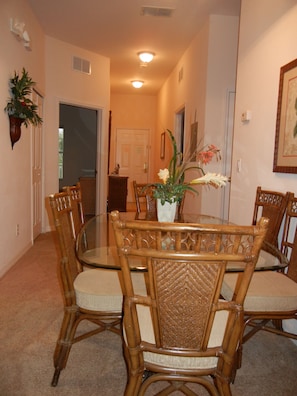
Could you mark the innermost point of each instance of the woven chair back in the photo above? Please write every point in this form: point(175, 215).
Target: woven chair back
point(144, 198)
point(185, 266)
point(289, 239)
point(77, 208)
point(69, 266)
point(272, 205)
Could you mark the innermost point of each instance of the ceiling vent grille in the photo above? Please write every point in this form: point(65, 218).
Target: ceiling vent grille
point(81, 65)
point(156, 11)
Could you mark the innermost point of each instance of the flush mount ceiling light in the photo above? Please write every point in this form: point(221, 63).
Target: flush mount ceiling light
point(145, 56)
point(137, 83)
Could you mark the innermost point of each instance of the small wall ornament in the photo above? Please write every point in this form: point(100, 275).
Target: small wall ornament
point(20, 108)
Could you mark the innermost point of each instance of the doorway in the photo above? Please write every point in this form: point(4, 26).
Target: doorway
point(78, 150)
point(37, 162)
point(78, 146)
point(132, 155)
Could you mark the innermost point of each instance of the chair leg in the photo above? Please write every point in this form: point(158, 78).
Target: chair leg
point(257, 326)
point(56, 377)
point(223, 388)
point(65, 341)
point(133, 385)
point(278, 324)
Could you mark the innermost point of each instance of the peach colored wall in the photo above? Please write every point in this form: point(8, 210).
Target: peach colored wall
point(209, 68)
point(15, 165)
point(175, 95)
point(134, 112)
point(49, 64)
point(221, 78)
point(263, 50)
point(65, 85)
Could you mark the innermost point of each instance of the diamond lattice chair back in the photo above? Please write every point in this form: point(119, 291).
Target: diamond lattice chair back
point(272, 295)
point(145, 201)
point(181, 331)
point(270, 204)
point(77, 208)
point(94, 295)
point(144, 198)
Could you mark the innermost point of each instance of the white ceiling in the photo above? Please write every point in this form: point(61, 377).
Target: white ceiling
point(116, 29)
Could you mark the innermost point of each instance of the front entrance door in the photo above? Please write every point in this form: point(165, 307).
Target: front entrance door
point(132, 156)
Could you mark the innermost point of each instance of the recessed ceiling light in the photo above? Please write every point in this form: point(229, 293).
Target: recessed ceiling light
point(146, 56)
point(137, 83)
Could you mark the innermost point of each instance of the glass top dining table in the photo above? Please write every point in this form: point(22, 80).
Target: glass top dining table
point(95, 244)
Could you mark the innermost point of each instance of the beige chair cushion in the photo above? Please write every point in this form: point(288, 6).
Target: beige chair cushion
point(147, 334)
point(100, 290)
point(269, 291)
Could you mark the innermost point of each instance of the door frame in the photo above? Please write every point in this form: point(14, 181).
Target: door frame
point(228, 150)
point(101, 158)
point(40, 207)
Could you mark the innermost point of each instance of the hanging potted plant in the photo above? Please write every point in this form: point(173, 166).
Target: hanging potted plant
point(20, 107)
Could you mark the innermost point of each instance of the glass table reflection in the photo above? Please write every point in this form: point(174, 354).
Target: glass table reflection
point(95, 245)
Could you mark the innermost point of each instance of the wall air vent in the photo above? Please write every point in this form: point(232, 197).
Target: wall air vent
point(81, 65)
point(156, 11)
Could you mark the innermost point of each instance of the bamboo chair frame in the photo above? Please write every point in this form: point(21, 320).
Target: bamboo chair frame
point(144, 197)
point(146, 194)
point(270, 204)
point(185, 265)
point(272, 295)
point(77, 208)
point(261, 320)
point(70, 271)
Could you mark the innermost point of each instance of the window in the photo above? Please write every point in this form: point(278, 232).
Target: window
point(61, 152)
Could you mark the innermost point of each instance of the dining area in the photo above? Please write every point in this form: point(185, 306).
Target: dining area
point(118, 254)
point(96, 365)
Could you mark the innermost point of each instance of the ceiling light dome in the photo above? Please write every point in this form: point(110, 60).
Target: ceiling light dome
point(146, 56)
point(137, 83)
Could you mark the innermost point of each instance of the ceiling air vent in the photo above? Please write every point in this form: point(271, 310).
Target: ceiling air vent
point(156, 11)
point(81, 65)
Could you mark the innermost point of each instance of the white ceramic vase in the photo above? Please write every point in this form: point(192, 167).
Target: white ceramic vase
point(166, 212)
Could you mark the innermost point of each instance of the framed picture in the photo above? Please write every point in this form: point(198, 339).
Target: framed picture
point(285, 150)
point(193, 141)
point(162, 146)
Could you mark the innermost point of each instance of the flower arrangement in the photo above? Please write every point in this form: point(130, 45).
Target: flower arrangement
point(19, 105)
point(173, 185)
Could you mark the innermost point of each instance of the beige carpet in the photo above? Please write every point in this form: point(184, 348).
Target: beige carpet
point(31, 313)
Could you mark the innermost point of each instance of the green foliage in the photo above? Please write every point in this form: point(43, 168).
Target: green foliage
point(173, 188)
point(20, 105)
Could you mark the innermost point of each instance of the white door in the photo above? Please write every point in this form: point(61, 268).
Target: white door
point(132, 155)
point(37, 169)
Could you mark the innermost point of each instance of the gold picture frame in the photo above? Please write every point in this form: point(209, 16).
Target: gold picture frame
point(285, 150)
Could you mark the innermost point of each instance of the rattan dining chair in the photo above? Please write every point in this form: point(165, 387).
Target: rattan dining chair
point(272, 295)
point(94, 295)
point(77, 208)
point(144, 198)
point(181, 331)
point(270, 204)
